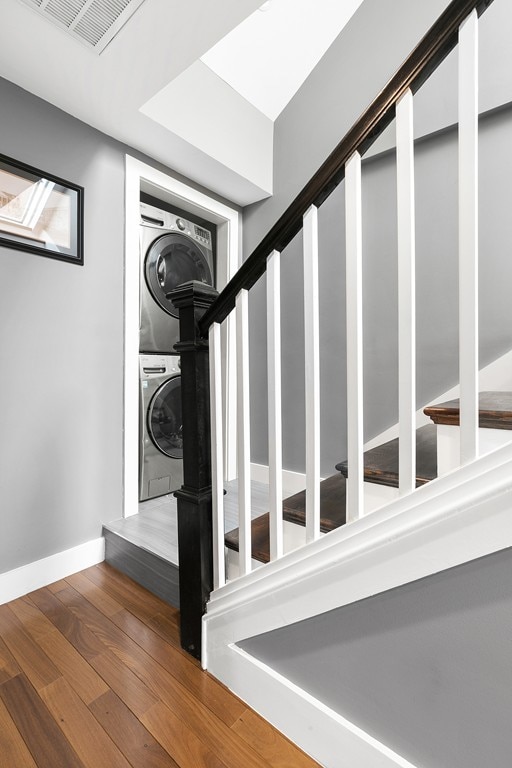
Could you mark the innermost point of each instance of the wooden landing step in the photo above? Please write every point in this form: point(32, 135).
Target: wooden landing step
point(153, 572)
point(495, 411)
point(381, 463)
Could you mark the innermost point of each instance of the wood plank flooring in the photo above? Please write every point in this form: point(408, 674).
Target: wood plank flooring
point(92, 676)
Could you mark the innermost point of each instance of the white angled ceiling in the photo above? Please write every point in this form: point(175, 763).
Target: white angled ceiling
point(164, 61)
point(270, 54)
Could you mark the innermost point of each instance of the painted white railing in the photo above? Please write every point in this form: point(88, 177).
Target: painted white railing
point(468, 342)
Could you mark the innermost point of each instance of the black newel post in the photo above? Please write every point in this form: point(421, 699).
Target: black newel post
point(195, 496)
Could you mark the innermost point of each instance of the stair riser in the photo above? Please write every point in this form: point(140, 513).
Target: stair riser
point(150, 571)
point(448, 445)
point(376, 496)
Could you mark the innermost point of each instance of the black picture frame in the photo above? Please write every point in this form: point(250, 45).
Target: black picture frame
point(40, 213)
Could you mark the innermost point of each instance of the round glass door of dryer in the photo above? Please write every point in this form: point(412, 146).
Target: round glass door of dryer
point(164, 418)
point(171, 260)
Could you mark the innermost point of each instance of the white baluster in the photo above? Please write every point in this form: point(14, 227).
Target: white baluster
point(468, 237)
point(312, 370)
point(219, 569)
point(354, 288)
point(244, 436)
point(406, 294)
point(275, 459)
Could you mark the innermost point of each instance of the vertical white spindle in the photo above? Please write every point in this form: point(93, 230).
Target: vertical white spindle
point(312, 371)
point(354, 288)
point(219, 569)
point(275, 459)
point(468, 237)
point(243, 428)
point(406, 294)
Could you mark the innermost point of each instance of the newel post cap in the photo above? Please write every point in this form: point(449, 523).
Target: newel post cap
point(193, 293)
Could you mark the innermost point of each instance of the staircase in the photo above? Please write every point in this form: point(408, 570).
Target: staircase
point(423, 502)
point(381, 470)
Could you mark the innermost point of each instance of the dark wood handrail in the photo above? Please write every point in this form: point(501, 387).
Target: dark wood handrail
point(429, 53)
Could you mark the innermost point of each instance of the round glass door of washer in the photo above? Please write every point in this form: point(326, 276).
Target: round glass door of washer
point(171, 260)
point(164, 418)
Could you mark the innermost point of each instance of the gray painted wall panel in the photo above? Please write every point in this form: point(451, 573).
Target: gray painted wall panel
point(62, 348)
point(426, 668)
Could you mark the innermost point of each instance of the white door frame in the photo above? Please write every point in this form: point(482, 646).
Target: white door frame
point(142, 177)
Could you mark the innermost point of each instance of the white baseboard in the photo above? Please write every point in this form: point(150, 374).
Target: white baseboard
point(20, 581)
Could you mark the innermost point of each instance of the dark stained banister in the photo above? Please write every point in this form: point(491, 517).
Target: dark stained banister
point(425, 58)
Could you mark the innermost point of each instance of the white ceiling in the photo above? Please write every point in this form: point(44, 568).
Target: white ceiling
point(275, 50)
point(121, 92)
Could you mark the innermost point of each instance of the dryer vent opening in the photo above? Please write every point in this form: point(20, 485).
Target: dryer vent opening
point(94, 22)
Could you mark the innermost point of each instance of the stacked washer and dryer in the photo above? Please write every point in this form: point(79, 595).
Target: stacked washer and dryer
point(173, 250)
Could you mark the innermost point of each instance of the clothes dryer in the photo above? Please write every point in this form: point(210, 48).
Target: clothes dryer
point(161, 440)
point(173, 251)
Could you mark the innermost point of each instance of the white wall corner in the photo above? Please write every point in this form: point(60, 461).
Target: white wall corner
point(27, 578)
point(219, 122)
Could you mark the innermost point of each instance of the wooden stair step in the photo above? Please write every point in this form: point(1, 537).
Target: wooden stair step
point(381, 463)
point(495, 411)
point(332, 515)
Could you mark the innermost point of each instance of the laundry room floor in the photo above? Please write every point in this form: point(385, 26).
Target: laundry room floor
point(154, 528)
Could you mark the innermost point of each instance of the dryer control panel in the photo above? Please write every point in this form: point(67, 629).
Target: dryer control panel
point(154, 217)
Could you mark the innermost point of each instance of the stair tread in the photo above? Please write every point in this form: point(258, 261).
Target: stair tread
point(332, 515)
point(495, 411)
point(332, 504)
point(260, 539)
point(381, 462)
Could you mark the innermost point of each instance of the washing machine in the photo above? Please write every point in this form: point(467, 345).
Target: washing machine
point(173, 251)
point(161, 440)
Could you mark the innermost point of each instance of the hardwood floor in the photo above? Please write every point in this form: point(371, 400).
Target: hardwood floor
point(92, 676)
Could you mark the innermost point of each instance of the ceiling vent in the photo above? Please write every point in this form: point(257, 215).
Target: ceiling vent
point(93, 22)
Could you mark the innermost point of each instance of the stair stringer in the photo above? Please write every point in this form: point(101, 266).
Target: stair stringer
point(460, 517)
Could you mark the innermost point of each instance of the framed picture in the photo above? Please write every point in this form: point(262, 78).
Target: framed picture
point(40, 213)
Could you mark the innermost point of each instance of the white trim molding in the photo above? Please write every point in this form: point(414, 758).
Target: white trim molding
point(27, 578)
point(145, 178)
point(457, 518)
point(318, 730)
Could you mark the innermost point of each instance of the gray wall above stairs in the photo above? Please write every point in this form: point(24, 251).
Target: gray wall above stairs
point(340, 87)
point(425, 669)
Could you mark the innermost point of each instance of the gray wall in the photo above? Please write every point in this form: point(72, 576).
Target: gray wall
point(426, 668)
point(315, 120)
point(61, 350)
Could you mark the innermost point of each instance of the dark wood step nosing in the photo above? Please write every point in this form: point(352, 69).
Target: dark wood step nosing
point(495, 411)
